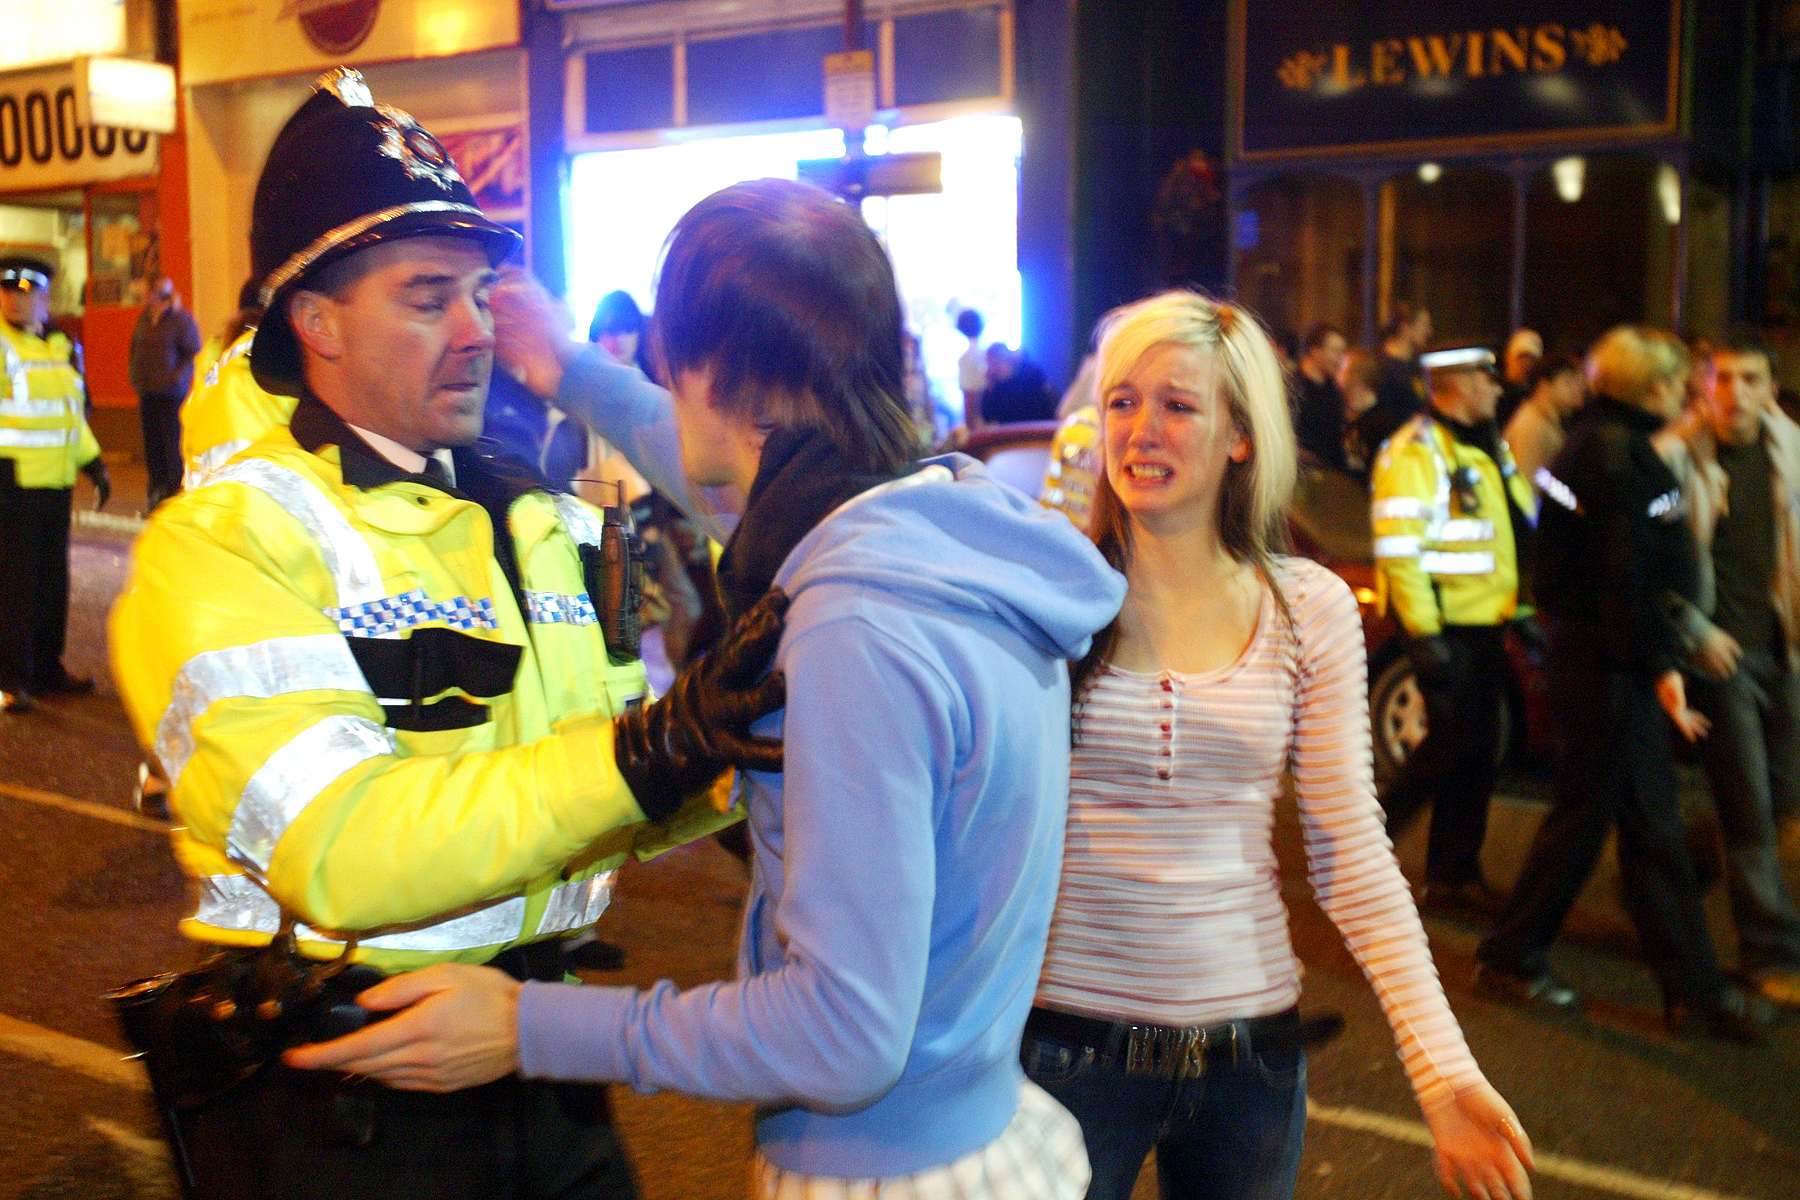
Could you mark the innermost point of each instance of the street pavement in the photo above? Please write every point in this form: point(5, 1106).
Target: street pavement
point(89, 897)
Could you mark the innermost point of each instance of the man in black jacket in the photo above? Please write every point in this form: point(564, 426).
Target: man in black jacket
point(1612, 549)
point(163, 346)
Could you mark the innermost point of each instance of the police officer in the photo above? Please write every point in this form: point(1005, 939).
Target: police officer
point(226, 409)
point(1449, 510)
point(1615, 562)
point(44, 440)
point(381, 672)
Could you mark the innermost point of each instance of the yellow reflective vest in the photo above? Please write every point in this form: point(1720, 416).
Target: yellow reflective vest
point(1075, 467)
point(226, 411)
point(43, 409)
point(1444, 553)
point(353, 706)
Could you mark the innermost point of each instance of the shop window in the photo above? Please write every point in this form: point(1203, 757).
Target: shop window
point(123, 253)
point(1599, 246)
point(1298, 242)
point(1707, 307)
point(1446, 245)
point(955, 249)
point(947, 56)
point(761, 77)
point(1780, 298)
point(630, 89)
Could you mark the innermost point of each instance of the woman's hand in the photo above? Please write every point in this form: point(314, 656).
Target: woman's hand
point(531, 332)
point(461, 1030)
point(1482, 1152)
point(1671, 693)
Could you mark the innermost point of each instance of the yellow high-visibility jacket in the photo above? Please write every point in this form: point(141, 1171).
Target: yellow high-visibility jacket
point(1075, 467)
point(226, 411)
point(351, 704)
point(43, 409)
point(1440, 560)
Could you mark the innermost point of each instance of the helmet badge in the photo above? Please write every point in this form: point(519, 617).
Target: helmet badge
point(408, 143)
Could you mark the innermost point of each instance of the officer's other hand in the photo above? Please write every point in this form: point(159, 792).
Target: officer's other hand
point(459, 1030)
point(668, 750)
point(1671, 693)
point(531, 332)
point(97, 475)
point(1717, 655)
point(1432, 659)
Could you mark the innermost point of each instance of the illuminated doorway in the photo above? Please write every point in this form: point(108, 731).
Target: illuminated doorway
point(953, 250)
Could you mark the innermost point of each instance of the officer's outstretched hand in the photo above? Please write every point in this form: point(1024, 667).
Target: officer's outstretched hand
point(673, 748)
point(96, 473)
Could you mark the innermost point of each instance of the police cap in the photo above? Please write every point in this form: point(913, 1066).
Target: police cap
point(1458, 358)
point(346, 173)
point(25, 273)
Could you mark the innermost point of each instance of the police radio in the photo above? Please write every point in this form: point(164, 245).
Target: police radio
point(616, 586)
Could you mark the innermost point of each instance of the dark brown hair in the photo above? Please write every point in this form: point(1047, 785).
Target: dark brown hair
point(785, 294)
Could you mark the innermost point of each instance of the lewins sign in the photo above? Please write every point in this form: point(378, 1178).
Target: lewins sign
point(1395, 75)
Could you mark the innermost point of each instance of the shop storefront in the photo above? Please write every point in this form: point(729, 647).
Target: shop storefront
point(664, 103)
point(247, 65)
point(1501, 163)
point(105, 206)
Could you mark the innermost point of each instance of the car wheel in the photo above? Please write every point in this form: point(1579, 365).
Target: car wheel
point(1398, 724)
point(1396, 718)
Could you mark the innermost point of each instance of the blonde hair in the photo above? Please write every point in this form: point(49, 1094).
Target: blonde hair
point(1254, 497)
point(1629, 360)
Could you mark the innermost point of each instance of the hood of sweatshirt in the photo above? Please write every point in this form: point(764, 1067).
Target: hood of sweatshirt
point(950, 538)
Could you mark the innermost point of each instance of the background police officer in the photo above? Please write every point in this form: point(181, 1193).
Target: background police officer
point(376, 666)
point(1449, 510)
point(44, 440)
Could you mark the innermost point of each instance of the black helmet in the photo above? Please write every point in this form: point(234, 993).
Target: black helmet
point(345, 173)
point(25, 273)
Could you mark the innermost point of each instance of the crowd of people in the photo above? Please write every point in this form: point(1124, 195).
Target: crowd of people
point(1632, 515)
point(1015, 916)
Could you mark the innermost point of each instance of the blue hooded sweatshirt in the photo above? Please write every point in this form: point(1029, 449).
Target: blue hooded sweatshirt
point(906, 862)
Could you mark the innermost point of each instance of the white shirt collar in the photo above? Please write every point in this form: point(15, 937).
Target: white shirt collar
point(410, 461)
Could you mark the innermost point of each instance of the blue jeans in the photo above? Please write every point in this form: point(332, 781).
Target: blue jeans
point(1235, 1133)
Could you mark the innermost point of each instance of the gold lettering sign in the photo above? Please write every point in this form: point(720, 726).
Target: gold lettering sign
point(1468, 54)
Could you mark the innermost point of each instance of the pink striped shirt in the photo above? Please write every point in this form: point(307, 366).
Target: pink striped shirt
point(1170, 909)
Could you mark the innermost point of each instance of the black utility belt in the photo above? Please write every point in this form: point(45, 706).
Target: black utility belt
point(1175, 1052)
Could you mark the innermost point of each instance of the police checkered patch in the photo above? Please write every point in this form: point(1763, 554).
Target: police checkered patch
point(553, 608)
point(409, 609)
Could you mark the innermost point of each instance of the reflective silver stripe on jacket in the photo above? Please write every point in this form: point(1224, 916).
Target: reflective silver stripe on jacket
point(210, 460)
point(40, 439)
point(30, 409)
point(1465, 529)
point(556, 608)
point(236, 350)
point(1457, 562)
point(15, 371)
point(315, 662)
point(577, 905)
point(581, 523)
point(1556, 489)
point(349, 558)
point(1397, 546)
point(1399, 508)
point(287, 782)
point(235, 902)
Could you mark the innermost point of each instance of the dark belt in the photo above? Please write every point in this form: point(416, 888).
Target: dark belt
point(1174, 1052)
point(540, 962)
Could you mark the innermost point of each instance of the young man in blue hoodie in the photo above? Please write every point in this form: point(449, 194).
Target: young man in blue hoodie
point(906, 863)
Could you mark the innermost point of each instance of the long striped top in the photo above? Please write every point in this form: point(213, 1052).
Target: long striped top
point(1170, 908)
